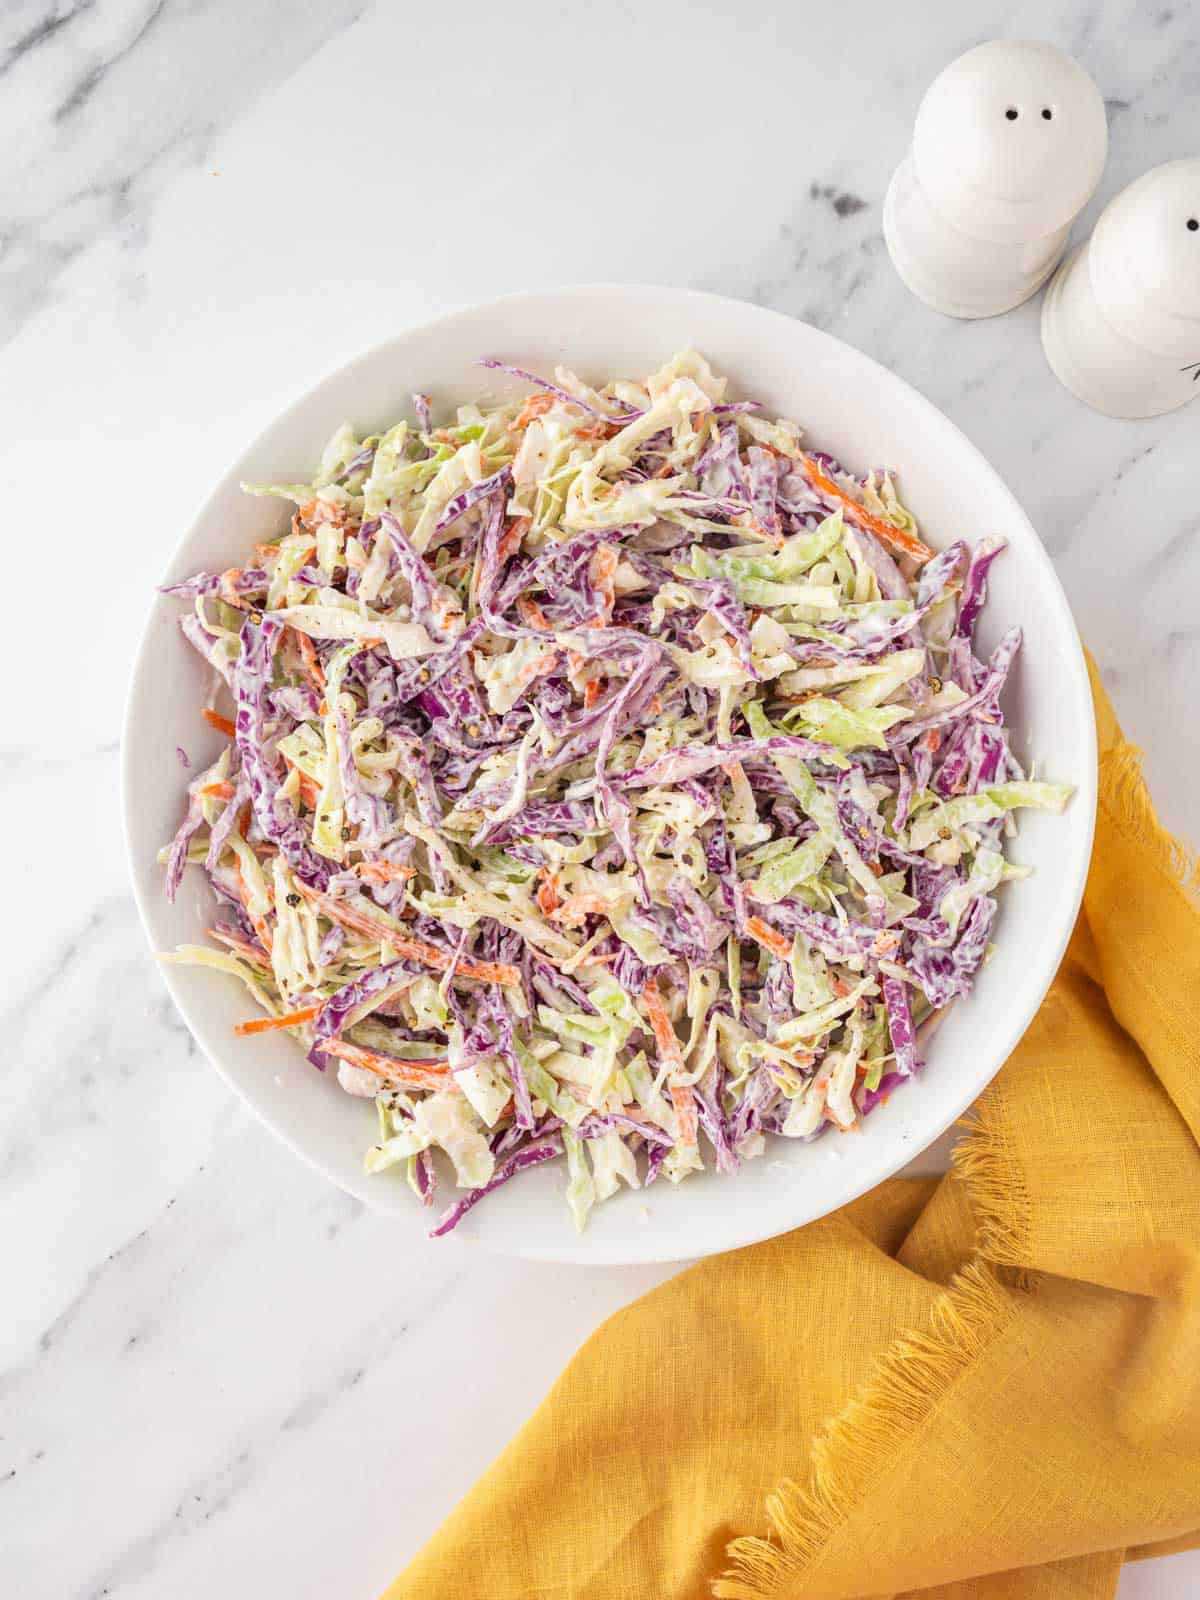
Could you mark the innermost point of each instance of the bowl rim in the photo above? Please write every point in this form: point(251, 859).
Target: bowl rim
point(923, 412)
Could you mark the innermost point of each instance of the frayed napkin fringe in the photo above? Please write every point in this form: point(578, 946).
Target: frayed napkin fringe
point(861, 1444)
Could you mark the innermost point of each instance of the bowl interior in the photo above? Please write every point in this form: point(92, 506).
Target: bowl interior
point(848, 405)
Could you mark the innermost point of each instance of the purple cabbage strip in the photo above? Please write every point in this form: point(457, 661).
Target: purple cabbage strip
point(974, 589)
point(529, 1155)
point(432, 603)
point(938, 575)
point(426, 1175)
point(871, 1097)
point(493, 1003)
point(892, 585)
point(984, 702)
point(373, 987)
point(177, 856)
point(839, 941)
point(226, 822)
point(900, 1026)
point(621, 418)
point(689, 761)
point(762, 480)
point(359, 463)
point(462, 502)
point(200, 639)
point(703, 931)
point(276, 817)
point(598, 1123)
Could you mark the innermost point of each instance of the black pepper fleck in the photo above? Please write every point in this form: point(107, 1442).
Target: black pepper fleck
point(293, 899)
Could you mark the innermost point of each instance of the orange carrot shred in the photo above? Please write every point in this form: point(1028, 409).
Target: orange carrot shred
point(269, 1024)
point(384, 871)
point(217, 721)
point(408, 1074)
point(547, 896)
point(685, 1109)
point(308, 654)
point(660, 1022)
point(407, 949)
point(510, 541)
point(536, 406)
point(219, 791)
point(243, 947)
point(897, 538)
point(532, 615)
point(770, 938)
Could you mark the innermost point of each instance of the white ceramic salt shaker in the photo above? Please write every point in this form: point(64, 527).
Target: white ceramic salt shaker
point(1121, 322)
point(1008, 146)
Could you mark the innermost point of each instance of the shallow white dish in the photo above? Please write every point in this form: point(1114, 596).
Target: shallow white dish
point(865, 416)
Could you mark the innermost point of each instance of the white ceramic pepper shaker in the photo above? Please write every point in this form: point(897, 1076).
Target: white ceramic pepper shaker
point(1008, 146)
point(1121, 322)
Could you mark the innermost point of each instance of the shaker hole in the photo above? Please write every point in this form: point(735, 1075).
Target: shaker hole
point(1193, 224)
point(1012, 113)
point(1047, 114)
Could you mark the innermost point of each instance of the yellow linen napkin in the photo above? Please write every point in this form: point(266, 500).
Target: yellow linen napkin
point(980, 1388)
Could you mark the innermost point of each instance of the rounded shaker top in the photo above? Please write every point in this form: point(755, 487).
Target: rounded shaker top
point(1144, 260)
point(1010, 140)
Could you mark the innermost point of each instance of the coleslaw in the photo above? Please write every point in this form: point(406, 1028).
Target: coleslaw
point(608, 778)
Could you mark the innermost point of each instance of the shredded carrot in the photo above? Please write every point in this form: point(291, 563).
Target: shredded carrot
point(252, 952)
point(219, 791)
point(664, 1033)
point(310, 791)
point(428, 955)
point(591, 692)
point(265, 552)
point(316, 511)
point(685, 1109)
point(384, 871)
point(258, 923)
point(217, 721)
point(897, 538)
point(408, 1074)
point(655, 706)
point(603, 575)
point(308, 654)
point(227, 591)
point(576, 907)
point(536, 406)
point(770, 938)
point(840, 987)
point(269, 1024)
point(532, 615)
point(510, 541)
point(547, 895)
point(931, 740)
point(734, 770)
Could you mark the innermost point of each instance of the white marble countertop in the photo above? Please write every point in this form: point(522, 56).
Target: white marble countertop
point(222, 1375)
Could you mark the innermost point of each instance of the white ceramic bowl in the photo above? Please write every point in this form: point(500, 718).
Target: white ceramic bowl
point(865, 416)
